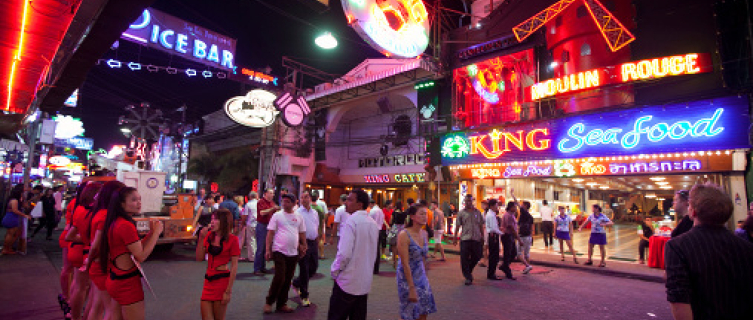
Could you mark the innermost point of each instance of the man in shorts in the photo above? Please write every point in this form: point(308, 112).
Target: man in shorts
point(439, 226)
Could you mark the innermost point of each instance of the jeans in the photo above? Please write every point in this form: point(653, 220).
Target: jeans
point(284, 271)
point(307, 268)
point(249, 240)
point(343, 305)
point(509, 253)
point(547, 228)
point(260, 264)
point(471, 252)
point(382, 243)
point(493, 255)
point(642, 247)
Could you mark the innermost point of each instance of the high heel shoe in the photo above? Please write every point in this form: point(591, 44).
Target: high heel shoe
point(62, 302)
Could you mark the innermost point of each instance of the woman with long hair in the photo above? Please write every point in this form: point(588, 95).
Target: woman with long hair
point(414, 291)
point(397, 223)
point(94, 223)
point(120, 250)
point(79, 248)
point(12, 219)
point(223, 248)
point(66, 273)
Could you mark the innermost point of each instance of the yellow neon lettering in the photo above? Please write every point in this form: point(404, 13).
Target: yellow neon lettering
point(644, 69)
point(628, 72)
point(660, 69)
point(676, 65)
point(562, 85)
point(518, 142)
point(543, 144)
point(397, 178)
point(592, 78)
point(691, 62)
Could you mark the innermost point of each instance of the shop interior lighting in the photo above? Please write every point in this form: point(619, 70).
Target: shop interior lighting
point(604, 187)
point(666, 187)
point(578, 180)
point(662, 183)
point(651, 195)
point(658, 178)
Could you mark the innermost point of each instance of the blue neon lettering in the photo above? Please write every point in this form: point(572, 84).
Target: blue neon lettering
point(635, 134)
point(213, 54)
point(663, 130)
point(709, 130)
point(573, 132)
point(163, 38)
point(199, 49)
point(181, 43)
point(593, 137)
point(155, 33)
point(227, 59)
point(684, 127)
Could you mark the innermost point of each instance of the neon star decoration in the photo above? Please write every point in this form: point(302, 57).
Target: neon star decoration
point(615, 34)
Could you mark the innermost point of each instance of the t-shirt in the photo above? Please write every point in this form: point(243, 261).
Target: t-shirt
point(525, 223)
point(233, 207)
point(596, 222)
point(398, 217)
point(341, 217)
point(647, 231)
point(387, 217)
point(439, 220)
point(563, 223)
point(262, 205)
point(378, 215)
point(122, 234)
point(546, 213)
point(287, 227)
point(311, 218)
point(250, 210)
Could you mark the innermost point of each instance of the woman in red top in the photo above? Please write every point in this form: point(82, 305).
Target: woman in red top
point(67, 271)
point(95, 221)
point(121, 248)
point(78, 249)
point(223, 248)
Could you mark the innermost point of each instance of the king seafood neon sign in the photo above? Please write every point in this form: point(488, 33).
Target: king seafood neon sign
point(503, 142)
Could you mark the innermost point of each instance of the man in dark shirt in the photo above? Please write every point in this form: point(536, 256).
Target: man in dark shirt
point(709, 272)
point(646, 232)
point(525, 231)
point(681, 211)
point(265, 208)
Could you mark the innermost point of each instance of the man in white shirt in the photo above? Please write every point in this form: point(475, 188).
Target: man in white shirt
point(547, 223)
point(58, 196)
point(377, 215)
point(341, 216)
point(493, 234)
point(310, 261)
point(248, 215)
point(286, 242)
point(351, 269)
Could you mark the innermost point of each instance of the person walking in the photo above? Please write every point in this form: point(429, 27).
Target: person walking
point(439, 229)
point(680, 204)
point(564, 232)
point(647, 230)
point(286, 242)
point(389, 207)
point(58, 196)
point(222, 246)
point(471, 238)
point(265, 208)
point(12, 219)
point(525, 232)
point(398, 223)
point(708, 269)
point(414, 291)
point(309, 263)
point(47, 201)
point(377, 215)
point(510, 230)
point(547, 224)
point(352, 268)
point(493, 233)
point(248, 238)
point(598, 234)
point(485, 257)
point(321, 209)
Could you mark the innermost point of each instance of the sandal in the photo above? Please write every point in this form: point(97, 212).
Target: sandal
point(602, 265)
point(589, 262)
point(563, 259)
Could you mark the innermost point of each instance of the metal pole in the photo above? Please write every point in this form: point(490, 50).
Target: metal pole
point(32, 141)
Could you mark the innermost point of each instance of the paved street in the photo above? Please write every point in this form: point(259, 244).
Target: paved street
point(30, 286)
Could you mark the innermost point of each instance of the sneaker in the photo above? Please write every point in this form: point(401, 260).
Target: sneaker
point(306, 302)
point(527, 270)
point(384, 257)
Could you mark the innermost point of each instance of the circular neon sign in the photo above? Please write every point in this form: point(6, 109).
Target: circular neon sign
point(398, 28)
point(255, 109)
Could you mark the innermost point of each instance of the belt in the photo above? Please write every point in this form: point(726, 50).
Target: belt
point(86, 251)
point(73, 244)
point(114, 276)
point(217, 276)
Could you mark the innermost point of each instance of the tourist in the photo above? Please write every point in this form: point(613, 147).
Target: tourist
point(485, 251)
point(122, 252)
point(598, 234)
point(309, 263)
point(204, 215)
point(414, 291)
point(265, 208)
point(222, 247)
point(564, 233)
point(286, 242)
point(248, 216)
point(472, 238)
point(389, 207)
point(647, 230)
point(680, 204)
point(525, 232)
point(12, 219)
point(708, 270)
point(377, 215)
point(439, 228)
point(398, 223)
point(493, 233)
point(58, 196)
point(48, 220)
point(321, 210)
point(510, 229)
point(341, 216)
point(352, 268)
point(232, 206)
point(547, 225)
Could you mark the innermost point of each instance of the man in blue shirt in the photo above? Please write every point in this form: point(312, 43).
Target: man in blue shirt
point(230, 204)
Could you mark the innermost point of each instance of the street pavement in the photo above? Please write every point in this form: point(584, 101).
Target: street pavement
point(29, 288)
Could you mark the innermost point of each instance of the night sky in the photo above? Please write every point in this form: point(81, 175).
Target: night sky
point(265, 30)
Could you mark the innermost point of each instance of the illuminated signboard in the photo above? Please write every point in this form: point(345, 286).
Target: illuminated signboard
point(255, 109)
point(68, 127)
point(76, 143)
point(256, 76)
point(294, 109)
point(72, 101)
point(396, 178)
point(59, 161)
point(396, 28)
point(700, 125)
point(691, 63)
point(167, 33)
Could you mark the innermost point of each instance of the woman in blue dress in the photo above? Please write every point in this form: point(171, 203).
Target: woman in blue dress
point(414, 291)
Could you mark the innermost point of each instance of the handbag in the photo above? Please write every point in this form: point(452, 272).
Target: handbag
point(37, 212)
point(392, 235)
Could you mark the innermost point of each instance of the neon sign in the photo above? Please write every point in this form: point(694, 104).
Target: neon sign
point(455, 147)
point(259, 76)
point(483, 173)
point(170, 34)
point(397, 178)
point(68, 127)
point(255, 109)
point(294, 109)
point(397, 28)
point(534, 140)
point(691, 63)
point(656, 133)
point(527, 171)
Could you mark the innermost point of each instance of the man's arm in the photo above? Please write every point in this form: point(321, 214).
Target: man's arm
point(344, 250)
point(678, 283)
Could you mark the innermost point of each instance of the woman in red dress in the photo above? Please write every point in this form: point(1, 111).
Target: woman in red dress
point(223, 248)
point(67, 271)
point(121, 248)
point(78, 249)
point(94, 222)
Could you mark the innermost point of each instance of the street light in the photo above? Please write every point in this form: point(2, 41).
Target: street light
point(326, 41)
point(125, 130)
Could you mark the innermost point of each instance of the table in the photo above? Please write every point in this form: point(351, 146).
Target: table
point(656, 251)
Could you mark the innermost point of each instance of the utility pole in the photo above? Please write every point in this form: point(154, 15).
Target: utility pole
point(32, 141)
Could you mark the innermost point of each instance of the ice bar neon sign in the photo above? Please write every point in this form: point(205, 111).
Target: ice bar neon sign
point(692, 63)
point(394, 27)
point(576, 138)
point(503, 142)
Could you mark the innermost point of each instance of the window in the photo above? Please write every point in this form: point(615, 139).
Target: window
point(585, 50)
point(581, 11)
